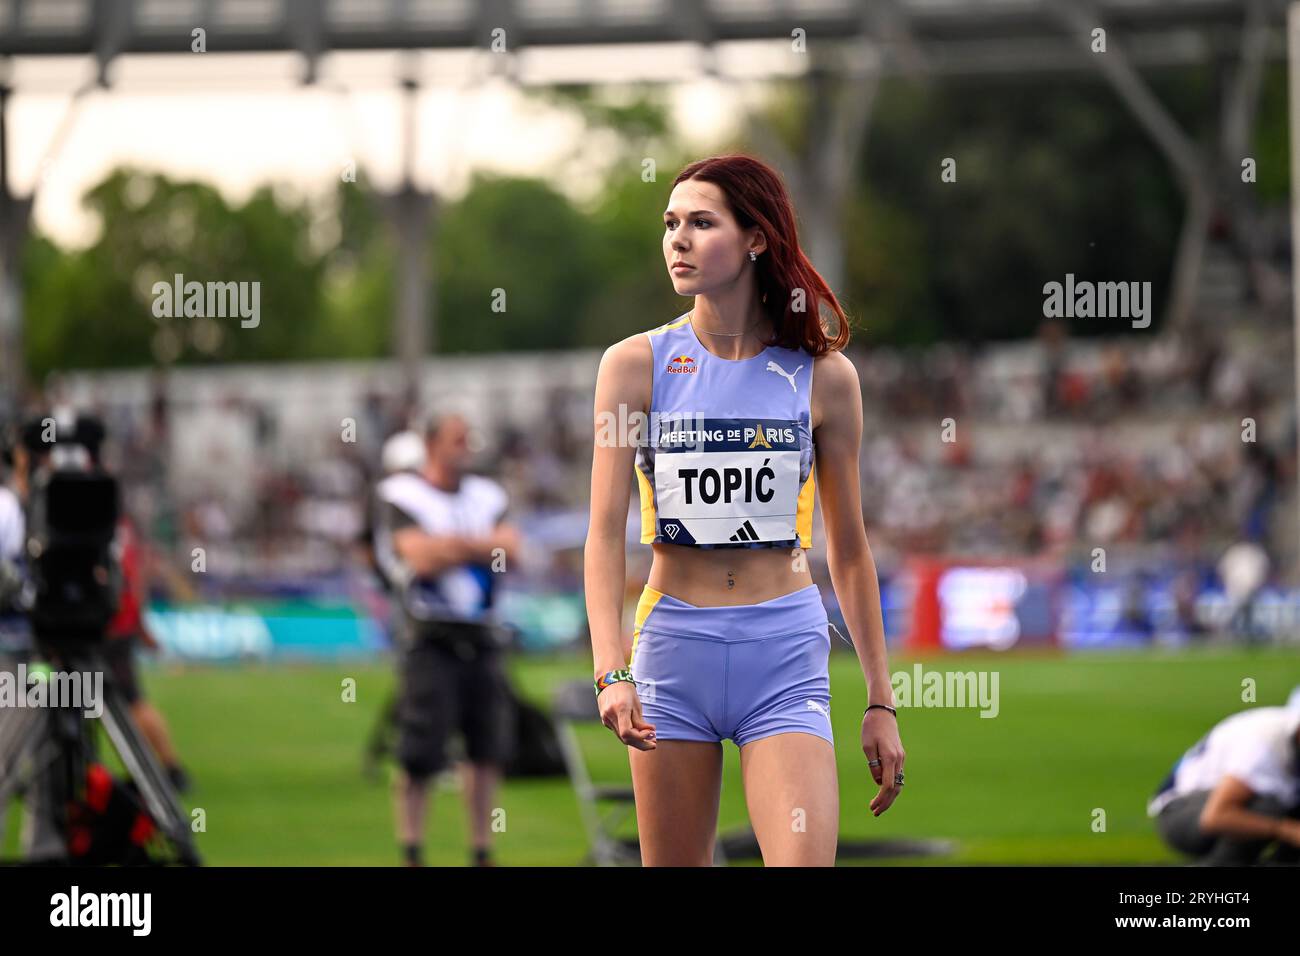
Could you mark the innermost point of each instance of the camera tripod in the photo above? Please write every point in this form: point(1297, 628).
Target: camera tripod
point(46, 751)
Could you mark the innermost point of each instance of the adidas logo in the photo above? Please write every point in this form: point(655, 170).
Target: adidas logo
point(746, 532)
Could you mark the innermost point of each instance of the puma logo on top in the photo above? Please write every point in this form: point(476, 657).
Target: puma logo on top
point(788, 376)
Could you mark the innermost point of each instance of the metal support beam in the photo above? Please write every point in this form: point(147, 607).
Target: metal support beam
point(1180, 151)
point(15, 214)
point(892, 29)
point(304, 25)
point(1293, 116)
point(841, 94)
point(411, 215)
point(841, 101)
point(1236, 131)
point(913, 26)
point(113, 23)
point(410, 211)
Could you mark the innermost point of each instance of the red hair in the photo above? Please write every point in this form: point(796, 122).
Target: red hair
point(756, 196)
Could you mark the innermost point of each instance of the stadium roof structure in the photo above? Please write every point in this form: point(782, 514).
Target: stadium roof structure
point(940, 36)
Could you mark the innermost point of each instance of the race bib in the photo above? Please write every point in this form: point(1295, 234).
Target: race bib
point(727, 480)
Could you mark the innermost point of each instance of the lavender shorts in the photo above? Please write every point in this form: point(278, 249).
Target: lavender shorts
point(736, 672)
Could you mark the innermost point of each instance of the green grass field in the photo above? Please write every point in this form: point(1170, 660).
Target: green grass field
point(276, 755)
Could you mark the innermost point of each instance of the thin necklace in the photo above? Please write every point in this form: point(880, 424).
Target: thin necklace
point(691, 318)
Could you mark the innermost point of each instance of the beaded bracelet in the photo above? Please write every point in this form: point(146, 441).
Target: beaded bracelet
point(612, 677)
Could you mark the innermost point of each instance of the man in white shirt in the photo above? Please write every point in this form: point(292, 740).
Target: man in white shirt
point(11, 523)
point(442, 539)
point(1244, 571)
point(1236, 792)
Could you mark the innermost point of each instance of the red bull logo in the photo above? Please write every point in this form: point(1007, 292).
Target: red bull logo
point(682, 364)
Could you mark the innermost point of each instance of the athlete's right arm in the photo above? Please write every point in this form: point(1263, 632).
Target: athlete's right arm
point(427, 555)
point(1226, 812)
point(623, 386)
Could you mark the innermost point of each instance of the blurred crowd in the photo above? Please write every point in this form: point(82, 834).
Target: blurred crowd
point(1161, 449)
point(1168, 450)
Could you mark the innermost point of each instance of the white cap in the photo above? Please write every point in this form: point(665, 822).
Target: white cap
point(403, 452)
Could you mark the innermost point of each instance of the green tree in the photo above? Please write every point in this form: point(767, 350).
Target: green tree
point(523, 237)
point(95, 307)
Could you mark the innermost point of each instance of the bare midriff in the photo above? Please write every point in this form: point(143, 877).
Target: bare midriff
point(713, 577)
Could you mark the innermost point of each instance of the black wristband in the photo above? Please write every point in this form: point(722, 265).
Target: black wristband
point(882, 707)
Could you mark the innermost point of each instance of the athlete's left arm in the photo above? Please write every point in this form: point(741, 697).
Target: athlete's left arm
point(837, 398)
point(838, 439)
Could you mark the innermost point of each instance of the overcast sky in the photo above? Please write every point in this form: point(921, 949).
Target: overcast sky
point(238, 121)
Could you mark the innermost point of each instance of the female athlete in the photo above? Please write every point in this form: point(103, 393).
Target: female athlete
point(731, 417)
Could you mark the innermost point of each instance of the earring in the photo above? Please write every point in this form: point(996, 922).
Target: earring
point(753, 256)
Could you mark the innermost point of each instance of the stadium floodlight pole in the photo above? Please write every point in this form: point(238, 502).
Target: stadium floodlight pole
point(1293, 81)
point(410, 210)
point(14, 214)
point(9, 328)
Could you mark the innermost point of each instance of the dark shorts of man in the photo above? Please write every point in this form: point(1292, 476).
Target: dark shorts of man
point(453, 678)
point(120, 667)
point(1179, 826)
